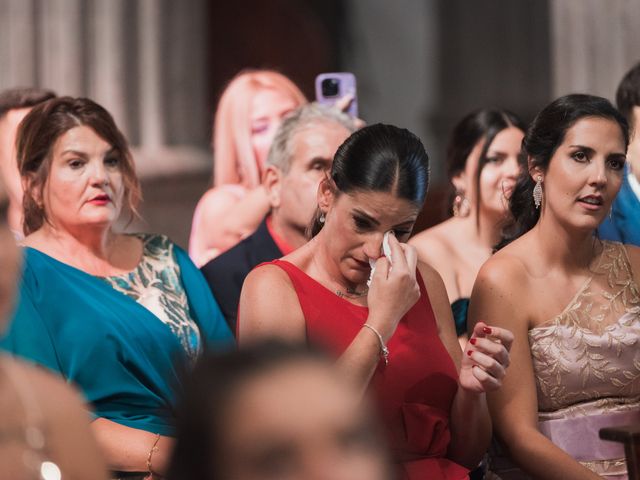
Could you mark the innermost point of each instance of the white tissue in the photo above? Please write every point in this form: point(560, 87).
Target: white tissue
point(386, 251)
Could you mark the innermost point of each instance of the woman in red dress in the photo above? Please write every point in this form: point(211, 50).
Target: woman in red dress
point(391, 329)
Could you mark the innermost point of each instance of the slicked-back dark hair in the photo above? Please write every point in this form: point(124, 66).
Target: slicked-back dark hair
point(545, 134)
point(380, 158)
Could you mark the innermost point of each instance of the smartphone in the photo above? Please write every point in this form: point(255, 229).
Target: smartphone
point(331, 87)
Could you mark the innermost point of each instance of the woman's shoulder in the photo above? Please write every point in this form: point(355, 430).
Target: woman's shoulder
point(435, 243)
point(507, 268)
point(269, 305)
point(270, 275)
point(437, 235)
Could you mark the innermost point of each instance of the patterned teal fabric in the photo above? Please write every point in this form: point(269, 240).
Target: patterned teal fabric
point(155, 284)
point(127, 362)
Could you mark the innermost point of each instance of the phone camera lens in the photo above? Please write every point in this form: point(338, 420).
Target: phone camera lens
point(330, 87)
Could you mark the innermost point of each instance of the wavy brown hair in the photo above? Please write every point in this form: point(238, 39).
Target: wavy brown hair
point(39, 132)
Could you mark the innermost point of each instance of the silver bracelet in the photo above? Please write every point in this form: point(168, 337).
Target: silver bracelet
point(384, 351)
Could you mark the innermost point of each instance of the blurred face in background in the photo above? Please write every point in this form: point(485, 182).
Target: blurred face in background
point(268, 107)
point(299, 422)
point(8, 162)
point(498, 175)
point(313, 149)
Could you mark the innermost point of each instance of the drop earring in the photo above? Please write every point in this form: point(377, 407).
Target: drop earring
point(537, 192)
point(461, 206)
point(322, 218)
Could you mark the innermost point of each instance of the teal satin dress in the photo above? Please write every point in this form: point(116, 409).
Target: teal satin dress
point(125, 360)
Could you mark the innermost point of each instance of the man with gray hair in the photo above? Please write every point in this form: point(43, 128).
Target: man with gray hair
point(15, 103)
point(300, 156)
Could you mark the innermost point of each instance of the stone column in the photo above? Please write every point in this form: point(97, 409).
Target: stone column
point(106, 58)
point(594, 43)
point(143, 60)
point(60, 28)
point(17, 42)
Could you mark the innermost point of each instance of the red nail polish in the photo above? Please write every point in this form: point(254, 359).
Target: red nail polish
point(472, 341)
point(486, 330)
point(469, 352)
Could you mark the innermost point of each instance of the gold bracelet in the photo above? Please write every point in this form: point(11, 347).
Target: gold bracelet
point(384, 351)
point(151, 452)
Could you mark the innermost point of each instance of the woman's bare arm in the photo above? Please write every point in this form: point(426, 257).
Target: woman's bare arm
point(222, 219)
point(500, 295)
point(127, 449)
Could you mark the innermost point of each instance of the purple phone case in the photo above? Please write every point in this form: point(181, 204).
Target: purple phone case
point(346, 85)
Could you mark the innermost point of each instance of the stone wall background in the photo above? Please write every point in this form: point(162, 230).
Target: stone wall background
point(159, 65)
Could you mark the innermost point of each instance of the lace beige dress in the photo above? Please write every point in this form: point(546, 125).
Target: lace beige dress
point(586, 362)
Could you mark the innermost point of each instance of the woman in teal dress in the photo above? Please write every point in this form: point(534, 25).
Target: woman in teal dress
point(118, 315)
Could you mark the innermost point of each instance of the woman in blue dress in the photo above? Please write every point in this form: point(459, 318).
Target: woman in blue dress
point(119, 315)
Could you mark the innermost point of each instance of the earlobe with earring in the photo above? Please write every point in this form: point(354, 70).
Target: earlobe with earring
point(461, 206)
point(537, 192)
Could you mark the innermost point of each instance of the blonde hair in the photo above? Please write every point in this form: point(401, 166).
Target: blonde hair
point(234, 160)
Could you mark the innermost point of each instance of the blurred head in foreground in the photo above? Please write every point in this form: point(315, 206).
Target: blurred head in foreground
point(275, 411)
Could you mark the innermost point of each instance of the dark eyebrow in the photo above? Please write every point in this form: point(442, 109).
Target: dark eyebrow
point(582, 147)
point(496, 152)
point(111, 151)
point(75, 152)
point(591, 150)
point(366, 216)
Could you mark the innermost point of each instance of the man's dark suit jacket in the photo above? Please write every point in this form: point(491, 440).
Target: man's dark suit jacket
point(226, 273)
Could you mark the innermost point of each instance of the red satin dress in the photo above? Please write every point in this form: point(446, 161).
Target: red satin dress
point(414, 391)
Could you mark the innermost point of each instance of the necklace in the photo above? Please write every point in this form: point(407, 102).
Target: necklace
point(352, 293)
point(349, 292)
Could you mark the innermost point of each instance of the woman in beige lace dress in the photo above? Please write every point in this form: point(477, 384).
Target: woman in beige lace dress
point(571, 300)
